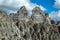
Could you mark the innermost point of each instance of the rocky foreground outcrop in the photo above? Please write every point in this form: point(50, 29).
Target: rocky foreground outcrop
point(20, 26)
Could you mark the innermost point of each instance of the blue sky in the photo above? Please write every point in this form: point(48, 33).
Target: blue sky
point(16, 4)
point(50, 6)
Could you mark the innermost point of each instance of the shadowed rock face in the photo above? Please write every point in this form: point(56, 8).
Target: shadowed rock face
point(30, 28)
point(14, 17)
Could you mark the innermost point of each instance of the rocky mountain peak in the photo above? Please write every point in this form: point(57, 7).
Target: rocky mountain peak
point(37, 15)
point(23, 10)
point(36, 10)
point(21, 26)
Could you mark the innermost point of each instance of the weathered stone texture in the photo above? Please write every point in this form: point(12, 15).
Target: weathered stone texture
point(25, 27)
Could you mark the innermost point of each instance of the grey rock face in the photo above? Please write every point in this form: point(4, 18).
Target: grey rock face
point(37, 15)
point(26, 27)
point(8, 30)
point(23, 13)
point(14, 17)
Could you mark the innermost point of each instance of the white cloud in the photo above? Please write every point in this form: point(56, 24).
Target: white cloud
point(16, 4)
point(42, 8)
point(55, 15)
point(57, 4)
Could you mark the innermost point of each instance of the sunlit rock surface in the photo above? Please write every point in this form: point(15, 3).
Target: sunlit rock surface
point(8, 30)
point(37, 15)
point(20, 26)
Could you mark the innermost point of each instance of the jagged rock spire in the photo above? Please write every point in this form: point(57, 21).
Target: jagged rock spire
point(23, 10)
point(37, 15)
point(36, 9)
point(23, 13)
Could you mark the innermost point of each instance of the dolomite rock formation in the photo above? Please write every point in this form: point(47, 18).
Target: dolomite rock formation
point(8, 30)
point(21, 26)
point(37, 15)
point(14, 17)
